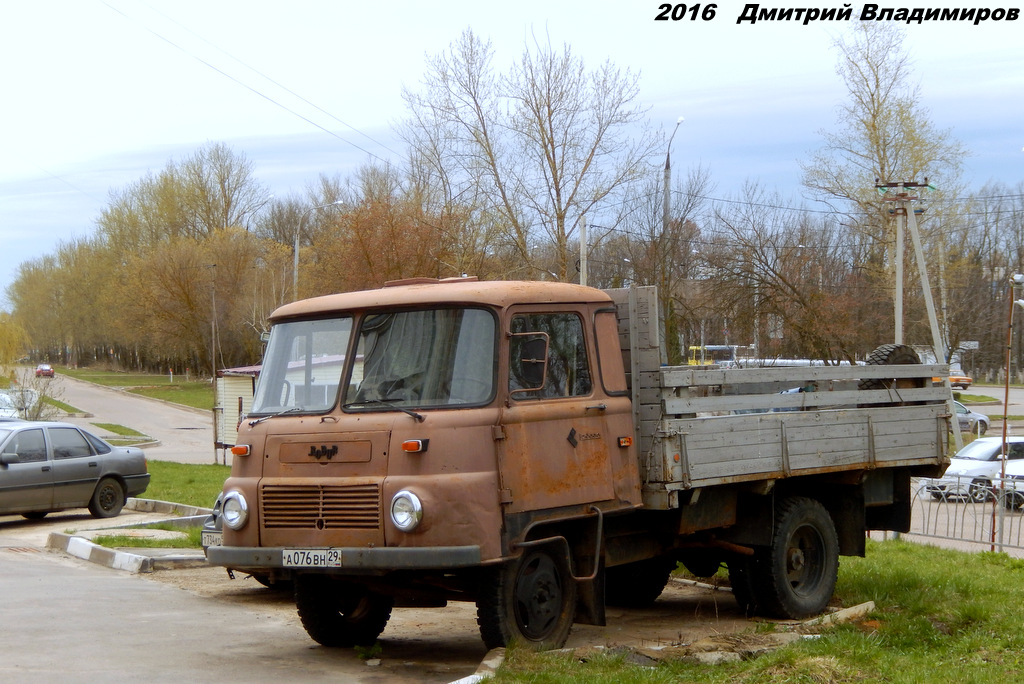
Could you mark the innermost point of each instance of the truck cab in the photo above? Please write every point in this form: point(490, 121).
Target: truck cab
point(402, 436)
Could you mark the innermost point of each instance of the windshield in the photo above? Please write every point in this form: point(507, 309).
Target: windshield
point(302, 367)
point(437, 357)
point(981, 451)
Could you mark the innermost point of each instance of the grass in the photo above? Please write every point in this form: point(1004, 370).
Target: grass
point(937, 611)
point(184, 483)
point(975, 398)
point(191, 540)
point(119, 430)
point(194, 393)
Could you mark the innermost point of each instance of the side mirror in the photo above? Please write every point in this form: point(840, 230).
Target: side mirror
point(7, 459)
point(529, 362)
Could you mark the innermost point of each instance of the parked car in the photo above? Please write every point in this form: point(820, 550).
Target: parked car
point(8, 409)
point(1013, 496)
point(970, 421)
point(974, 468)
point(46, 467)
point(955, 380)
point(44, 370)
point(960, 380)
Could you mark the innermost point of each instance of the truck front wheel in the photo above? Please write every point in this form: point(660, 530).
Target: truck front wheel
point(531, 601)
point(796, 575)
point(339, 614)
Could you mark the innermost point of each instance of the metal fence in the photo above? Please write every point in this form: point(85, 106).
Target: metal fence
point(970, 517)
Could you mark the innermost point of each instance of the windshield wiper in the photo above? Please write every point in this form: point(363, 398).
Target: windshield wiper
point(259, 420)
point(384, 403)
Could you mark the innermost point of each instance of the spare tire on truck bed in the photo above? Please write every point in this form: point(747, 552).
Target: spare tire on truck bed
point(892, 355)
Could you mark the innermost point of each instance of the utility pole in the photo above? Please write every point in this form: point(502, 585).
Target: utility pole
point(902, 198)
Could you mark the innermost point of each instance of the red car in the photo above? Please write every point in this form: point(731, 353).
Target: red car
point(44, 370)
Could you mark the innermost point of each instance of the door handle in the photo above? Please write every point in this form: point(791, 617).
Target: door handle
point(598, 407)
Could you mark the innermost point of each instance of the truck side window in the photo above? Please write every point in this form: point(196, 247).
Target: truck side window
point(568, 370)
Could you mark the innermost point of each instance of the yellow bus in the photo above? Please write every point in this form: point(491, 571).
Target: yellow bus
point(702, 355)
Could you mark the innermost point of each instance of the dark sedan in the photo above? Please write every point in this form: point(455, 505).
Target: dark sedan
point(46, 467)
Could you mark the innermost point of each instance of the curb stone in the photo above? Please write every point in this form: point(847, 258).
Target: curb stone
point(146, 560)
point(135, 563)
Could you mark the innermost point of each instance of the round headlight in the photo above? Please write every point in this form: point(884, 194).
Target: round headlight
point(234, 510)
point(406, 510)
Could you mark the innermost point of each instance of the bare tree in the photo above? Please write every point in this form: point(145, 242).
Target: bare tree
point(537, 149)
point(884, 135)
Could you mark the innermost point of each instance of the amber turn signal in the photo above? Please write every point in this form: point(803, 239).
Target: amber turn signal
point(415, 446)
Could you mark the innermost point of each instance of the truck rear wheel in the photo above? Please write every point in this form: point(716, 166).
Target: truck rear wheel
point(796, 575)
point(638, 584)
point(340, 614)
point(531, 601)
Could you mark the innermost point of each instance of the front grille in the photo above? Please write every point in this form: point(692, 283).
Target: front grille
point(321, 506)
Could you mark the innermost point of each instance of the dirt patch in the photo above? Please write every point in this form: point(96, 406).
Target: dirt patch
point(684, 615)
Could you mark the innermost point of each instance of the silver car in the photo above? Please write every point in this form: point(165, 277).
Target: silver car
point(46, 467)
point(970, 421)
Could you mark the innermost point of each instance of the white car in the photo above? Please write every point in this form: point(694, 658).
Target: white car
point(8, 409)
point(1013, 497)
point(974, 468)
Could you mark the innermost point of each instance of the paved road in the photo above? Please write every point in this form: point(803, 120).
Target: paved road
point(185, 435)
point(68, 621)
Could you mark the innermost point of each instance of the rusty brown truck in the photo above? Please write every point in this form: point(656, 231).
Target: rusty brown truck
point(521, 445)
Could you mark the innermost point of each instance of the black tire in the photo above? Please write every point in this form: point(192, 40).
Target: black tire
point(796, 575)
point(891, 355)
point(980, 490)
point(338, 614)
point(34, 515)
point(1013, 500)
point(530, 601)
point(108, 498)
point(638, 584)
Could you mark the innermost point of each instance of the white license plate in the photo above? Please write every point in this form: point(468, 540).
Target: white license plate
point(212, 539)
point(310, 558)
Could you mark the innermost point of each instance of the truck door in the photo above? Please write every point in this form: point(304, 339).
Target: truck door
point(555, 446)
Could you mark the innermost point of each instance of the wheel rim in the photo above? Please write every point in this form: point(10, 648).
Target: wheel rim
point(108, 498)
point(804, 558)
point(538, 596)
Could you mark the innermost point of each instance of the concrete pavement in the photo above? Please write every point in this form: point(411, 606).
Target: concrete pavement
point(181, 434)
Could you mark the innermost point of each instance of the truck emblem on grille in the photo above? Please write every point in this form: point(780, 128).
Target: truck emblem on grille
point(324, 451)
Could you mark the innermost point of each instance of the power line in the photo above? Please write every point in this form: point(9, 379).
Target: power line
point(253, 89)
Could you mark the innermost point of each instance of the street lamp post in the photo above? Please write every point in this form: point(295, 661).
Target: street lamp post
point(1016, 283)
point(668, 178)
point(295, 249)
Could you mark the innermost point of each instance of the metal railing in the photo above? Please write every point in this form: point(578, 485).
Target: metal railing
point(975, 515)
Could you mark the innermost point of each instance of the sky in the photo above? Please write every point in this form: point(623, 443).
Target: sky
point(97, 94)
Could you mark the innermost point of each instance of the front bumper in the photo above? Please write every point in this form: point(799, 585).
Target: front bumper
point(410, 558)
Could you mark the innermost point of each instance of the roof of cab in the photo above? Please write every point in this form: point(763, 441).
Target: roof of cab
point(424, 292)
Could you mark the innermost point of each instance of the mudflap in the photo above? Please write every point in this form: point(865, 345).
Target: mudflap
point(590, 599)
